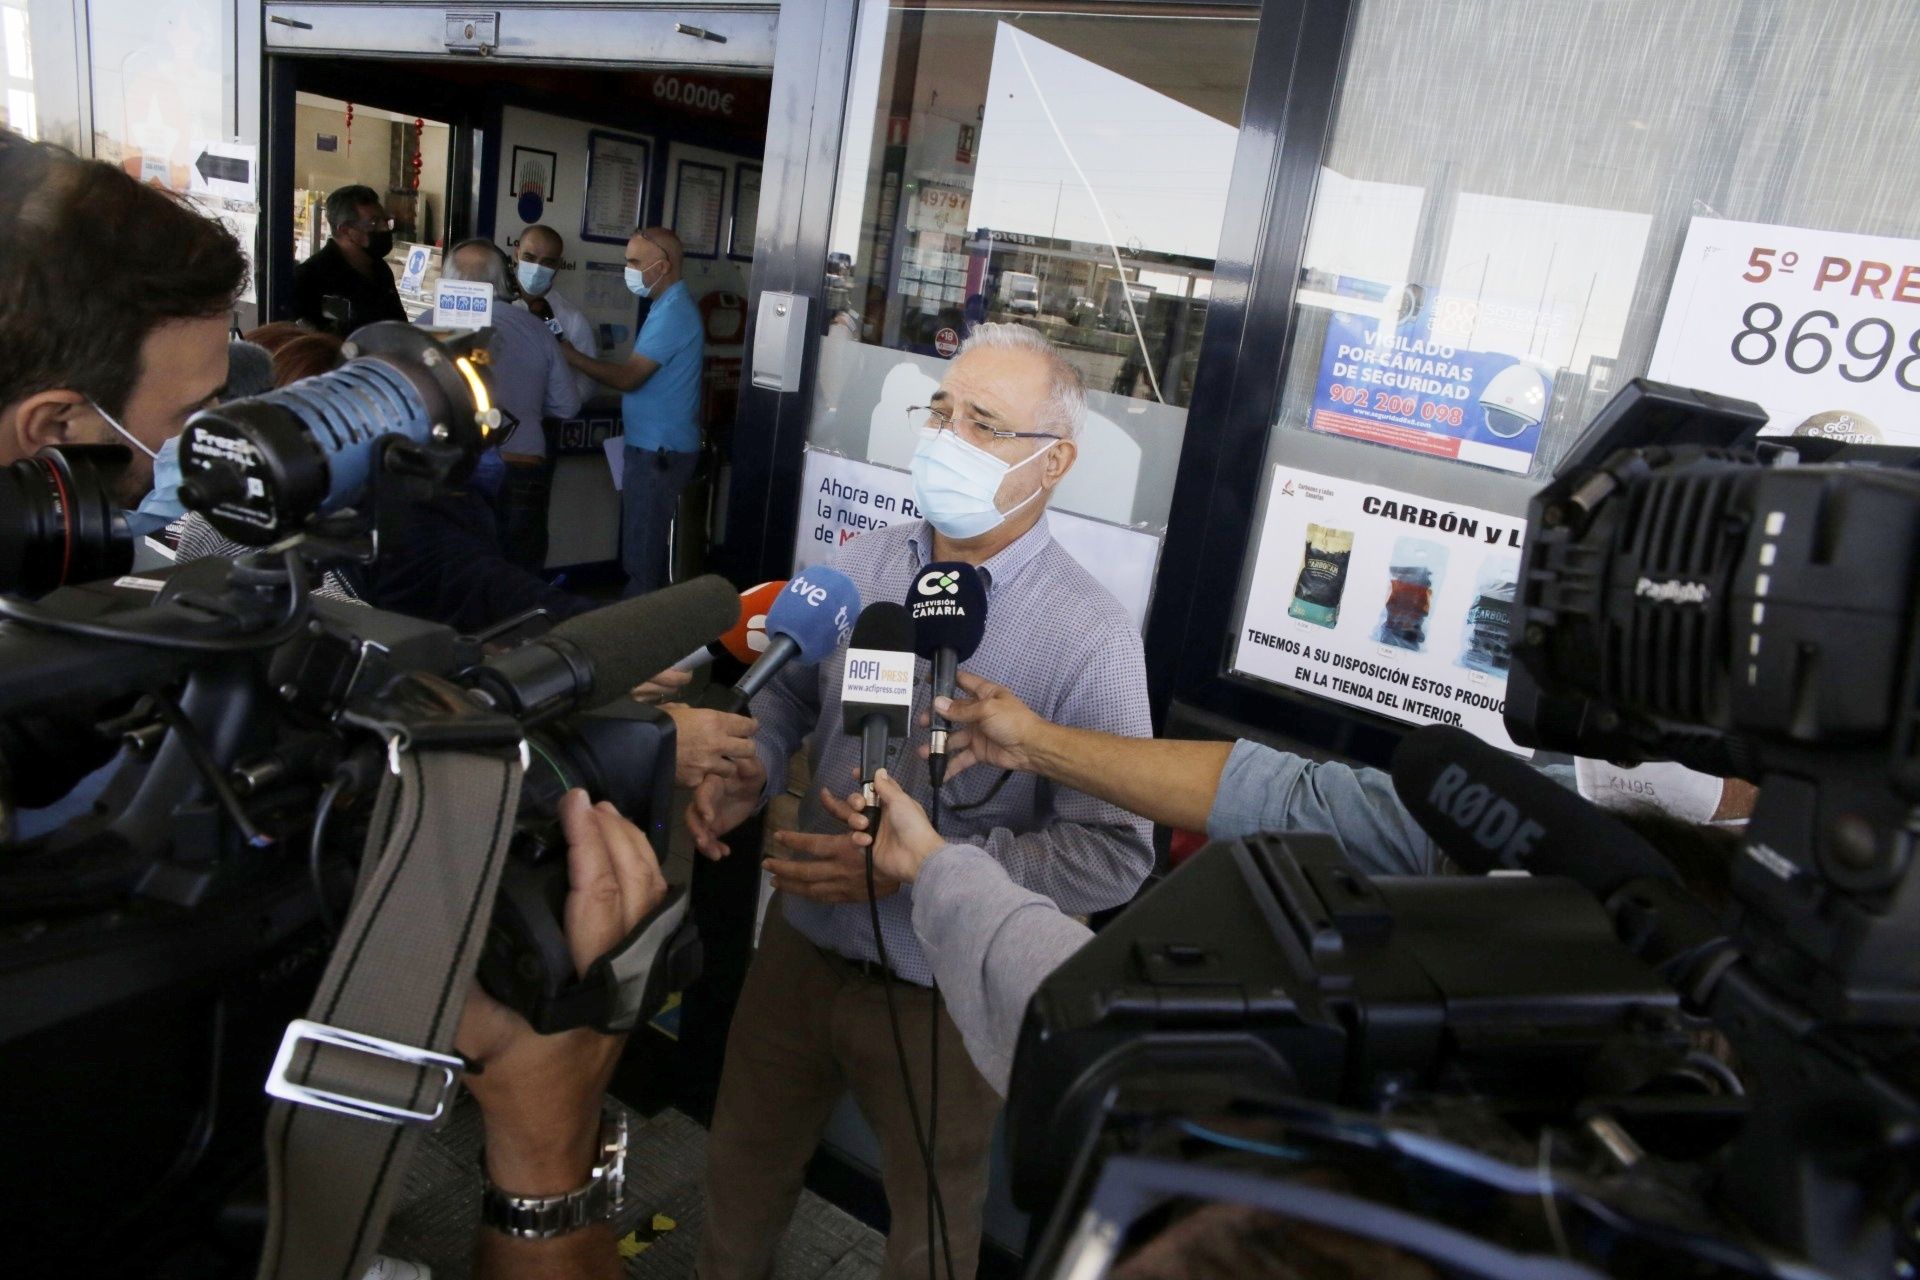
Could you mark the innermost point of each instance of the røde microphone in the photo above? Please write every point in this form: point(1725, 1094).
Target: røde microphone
point(806, 621)
point(748, 638)
point(948, 605)
point(1486, 809)
point(876, 693)
point(599, 656)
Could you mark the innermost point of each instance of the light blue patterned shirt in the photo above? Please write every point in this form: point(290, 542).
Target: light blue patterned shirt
point(1059, 641)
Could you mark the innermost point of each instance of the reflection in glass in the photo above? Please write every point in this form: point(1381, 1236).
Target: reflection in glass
point(1064, 171)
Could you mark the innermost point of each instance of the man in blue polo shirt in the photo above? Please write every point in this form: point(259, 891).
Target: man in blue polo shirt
point(660, 403)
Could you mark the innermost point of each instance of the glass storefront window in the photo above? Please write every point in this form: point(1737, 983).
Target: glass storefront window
point(1062, 170)
point(1506, 201)
point(162, 81)
point(17, 108)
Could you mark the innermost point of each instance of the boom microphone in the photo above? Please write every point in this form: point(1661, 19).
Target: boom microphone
point(1485, 809)
point(876, 694)
point(747, 640)
point(599, 656)
point(948, 605)
point(807, 621)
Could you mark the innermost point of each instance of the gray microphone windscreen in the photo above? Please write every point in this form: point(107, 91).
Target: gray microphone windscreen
point(249, 370)
point(631, 641)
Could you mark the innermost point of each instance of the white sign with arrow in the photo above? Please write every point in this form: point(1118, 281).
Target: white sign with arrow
point(223, 169)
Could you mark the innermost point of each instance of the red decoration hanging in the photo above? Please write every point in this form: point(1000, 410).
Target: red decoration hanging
point(419, 138)
point(349, 128)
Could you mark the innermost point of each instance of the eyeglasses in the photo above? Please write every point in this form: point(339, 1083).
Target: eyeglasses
point(376, 224)
point(930, 422)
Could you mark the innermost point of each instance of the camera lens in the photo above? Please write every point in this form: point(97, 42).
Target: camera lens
point(60, 520)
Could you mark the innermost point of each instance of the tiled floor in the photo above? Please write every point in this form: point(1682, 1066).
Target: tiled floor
point(436, 1218)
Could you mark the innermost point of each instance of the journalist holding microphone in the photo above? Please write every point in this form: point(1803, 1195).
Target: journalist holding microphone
point(812, 1022)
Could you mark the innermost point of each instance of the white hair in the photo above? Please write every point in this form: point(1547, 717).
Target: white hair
point(494, 269)
point(1065, 408)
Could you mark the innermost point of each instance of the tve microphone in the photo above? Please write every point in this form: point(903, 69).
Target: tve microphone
point(1486, 809)
point(876, 693)
point(948, 605)
point(748, 638)
point(599, 656)
point(806, 621)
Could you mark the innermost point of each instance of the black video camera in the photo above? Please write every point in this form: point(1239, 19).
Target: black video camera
point(1586, 1070)
point(203, 748)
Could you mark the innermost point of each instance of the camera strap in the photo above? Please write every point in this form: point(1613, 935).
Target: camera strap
point(373, 1063)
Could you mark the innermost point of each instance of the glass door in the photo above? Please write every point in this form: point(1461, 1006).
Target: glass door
point(1062, 170)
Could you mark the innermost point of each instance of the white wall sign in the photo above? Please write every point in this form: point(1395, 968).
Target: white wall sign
point(462, 304)
point(1820, 328)
point(223, 169)
point(1384, 600)
point(844, 497)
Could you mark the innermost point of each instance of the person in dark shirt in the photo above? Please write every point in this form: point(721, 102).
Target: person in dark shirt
point(348, 283)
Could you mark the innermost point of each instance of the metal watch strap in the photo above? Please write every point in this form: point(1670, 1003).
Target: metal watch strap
point(544, 1217)
point(373, 1061)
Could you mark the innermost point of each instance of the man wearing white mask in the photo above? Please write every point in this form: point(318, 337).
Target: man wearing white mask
point(538, 261)
point(812, 1023)
point(659, 404)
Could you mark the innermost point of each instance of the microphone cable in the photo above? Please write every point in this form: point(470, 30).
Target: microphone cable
point(938, 1216)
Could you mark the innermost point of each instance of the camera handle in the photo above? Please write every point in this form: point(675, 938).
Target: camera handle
point(373, 1062)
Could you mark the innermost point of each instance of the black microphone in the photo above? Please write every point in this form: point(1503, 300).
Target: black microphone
point(876, 692)
point(599, 656)
point(948, 605)
point(1486, 809)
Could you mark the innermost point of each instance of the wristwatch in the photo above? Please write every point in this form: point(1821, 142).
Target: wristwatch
point(545, 1217)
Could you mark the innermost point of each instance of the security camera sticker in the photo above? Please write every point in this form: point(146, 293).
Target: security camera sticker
point(1445, 374)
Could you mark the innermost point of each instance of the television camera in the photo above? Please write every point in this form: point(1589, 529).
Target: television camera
point(243, 737)
point(1601, 1067)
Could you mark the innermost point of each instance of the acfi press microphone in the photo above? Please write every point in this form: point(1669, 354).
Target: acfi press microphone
point(806, 621)
point(876, 693)
point(948, 605)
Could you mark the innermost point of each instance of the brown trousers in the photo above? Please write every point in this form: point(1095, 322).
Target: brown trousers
point(809, 1027)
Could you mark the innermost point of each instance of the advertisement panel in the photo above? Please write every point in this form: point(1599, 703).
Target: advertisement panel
point(1820, 328)
point(1385, 601)
point(1422, 373)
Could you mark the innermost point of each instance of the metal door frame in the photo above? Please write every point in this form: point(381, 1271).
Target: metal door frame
point(1292, 88)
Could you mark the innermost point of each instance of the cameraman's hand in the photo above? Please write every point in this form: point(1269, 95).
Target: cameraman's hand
point(905, 838)
point(540, 1095)
point(990, 726)
point(720, 804)
point(662, 686)
point(709, 742)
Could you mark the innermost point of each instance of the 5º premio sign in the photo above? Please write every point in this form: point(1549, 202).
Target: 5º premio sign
point(1820, 328)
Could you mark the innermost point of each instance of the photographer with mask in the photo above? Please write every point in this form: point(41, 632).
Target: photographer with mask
point(113, 328)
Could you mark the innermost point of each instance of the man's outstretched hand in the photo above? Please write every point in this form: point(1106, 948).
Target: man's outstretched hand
point(834, 867)
point(722, 803)
point(707, 742)
point(990, 726)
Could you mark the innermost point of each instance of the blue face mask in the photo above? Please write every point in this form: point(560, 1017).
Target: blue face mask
point(164, 499)
point(955, 484)
point(534, 278)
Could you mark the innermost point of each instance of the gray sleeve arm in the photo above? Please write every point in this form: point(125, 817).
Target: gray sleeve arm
point(990, 944)
point(1266, 790)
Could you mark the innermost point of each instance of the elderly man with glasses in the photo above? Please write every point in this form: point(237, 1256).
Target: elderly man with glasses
point(813, 1020)
point(348, 282)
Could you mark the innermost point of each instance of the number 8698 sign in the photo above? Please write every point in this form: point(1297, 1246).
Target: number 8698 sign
point(1822, 329)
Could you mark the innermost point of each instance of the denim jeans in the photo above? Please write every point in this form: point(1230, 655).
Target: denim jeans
point(650, 490)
